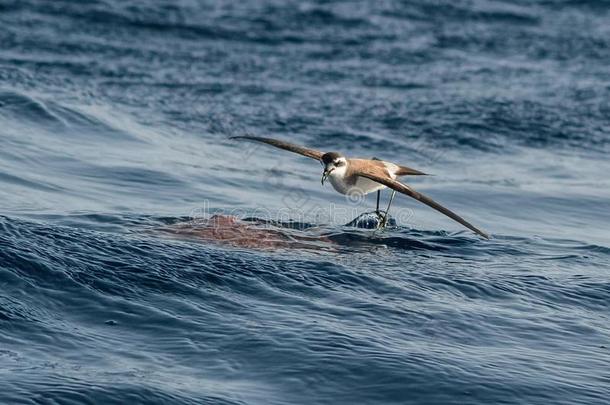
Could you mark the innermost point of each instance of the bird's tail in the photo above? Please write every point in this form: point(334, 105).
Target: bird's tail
point(404, 170)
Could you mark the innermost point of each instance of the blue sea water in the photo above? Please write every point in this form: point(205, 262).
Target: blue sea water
point(114, 152)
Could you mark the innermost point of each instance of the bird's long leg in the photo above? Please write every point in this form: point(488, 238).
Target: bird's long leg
point(378, 196)
point(384, 221)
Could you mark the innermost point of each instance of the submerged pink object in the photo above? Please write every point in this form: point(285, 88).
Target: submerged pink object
point(228, 229)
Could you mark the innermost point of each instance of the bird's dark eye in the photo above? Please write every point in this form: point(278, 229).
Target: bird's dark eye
point(339, 163)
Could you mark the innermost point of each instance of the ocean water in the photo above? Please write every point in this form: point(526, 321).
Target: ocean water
point(146, 258)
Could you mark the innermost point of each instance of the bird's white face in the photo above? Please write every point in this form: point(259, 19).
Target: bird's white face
point(336, 168)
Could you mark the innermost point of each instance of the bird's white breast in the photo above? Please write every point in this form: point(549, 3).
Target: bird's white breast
point(353, 185)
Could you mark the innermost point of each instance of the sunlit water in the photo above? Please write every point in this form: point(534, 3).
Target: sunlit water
point(116, 288)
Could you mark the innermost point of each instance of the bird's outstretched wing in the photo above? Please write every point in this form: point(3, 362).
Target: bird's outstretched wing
point(400, 170)
point(404, 189)
point(405, 170)
point(301, 150)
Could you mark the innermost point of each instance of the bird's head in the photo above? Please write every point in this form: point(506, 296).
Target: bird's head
point(334, 165)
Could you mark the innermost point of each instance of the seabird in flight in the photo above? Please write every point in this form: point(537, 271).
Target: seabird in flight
point(363, 176)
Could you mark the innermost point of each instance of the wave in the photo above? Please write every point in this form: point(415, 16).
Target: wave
point(80, 300)
point(114, 118)
point(21, 110)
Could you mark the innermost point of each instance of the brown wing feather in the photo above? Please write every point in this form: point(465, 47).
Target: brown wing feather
point(404, 189)
point(374, 166)
point(301, 150)
point(404, 170)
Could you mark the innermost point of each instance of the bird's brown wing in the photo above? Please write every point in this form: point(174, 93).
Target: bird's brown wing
point(405, 170)
point(404, 189)
point(301, 150)
point(401, 170)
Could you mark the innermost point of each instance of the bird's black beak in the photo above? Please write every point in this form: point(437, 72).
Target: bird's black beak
point(325, 174)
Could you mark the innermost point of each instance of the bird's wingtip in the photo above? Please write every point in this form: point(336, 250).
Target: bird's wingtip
point(247, 137)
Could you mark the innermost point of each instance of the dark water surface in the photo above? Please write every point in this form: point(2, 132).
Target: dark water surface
point(114, 119)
